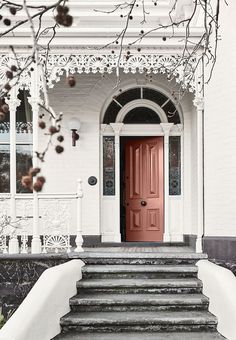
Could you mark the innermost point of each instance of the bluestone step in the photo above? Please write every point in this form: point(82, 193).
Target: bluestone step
point(142, 336)
point(183, 285)
point(139, 321)
point(140, 258)
point(139, 271)
point(138, 302)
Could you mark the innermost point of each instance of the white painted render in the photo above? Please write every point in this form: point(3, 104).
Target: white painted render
point(219, 286)
point(50, 300)
point(220, 136)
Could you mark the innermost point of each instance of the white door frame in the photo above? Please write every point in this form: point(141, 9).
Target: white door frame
point(112, 233)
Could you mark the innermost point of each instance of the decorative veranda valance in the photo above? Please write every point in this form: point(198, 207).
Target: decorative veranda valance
point(57, 64)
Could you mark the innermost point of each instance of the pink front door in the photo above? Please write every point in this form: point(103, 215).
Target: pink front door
point(144, 189)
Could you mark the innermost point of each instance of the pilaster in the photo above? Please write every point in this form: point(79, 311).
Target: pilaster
point(166, 127)
point(117, 127)
point(13, 102)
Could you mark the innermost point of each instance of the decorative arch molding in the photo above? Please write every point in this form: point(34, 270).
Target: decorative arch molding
point(58, 64)
point(141, 103)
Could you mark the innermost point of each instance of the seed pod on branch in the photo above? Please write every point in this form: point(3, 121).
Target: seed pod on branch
point(53, 130)
point(2, 116)
point(60, 138)
point(7, 22)
point(13, 68)
point(71, 80)
point(26, 181)
point(9, 74)
point(34, 171)
point(7, 87)
point(5, 108)
point(41, 179)
point(12, 10)
point(59, 149)
point(38, 186)
point(42, 125)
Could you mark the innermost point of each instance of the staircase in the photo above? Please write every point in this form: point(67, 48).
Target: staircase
point(135, 294)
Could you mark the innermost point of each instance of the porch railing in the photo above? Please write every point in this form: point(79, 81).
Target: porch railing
point(49, 220)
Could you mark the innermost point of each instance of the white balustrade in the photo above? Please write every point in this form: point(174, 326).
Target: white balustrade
point(79, 237)
point(56, 214)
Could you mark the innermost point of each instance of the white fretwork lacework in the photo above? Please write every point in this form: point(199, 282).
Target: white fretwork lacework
point(55, 224)
point(56, 243)
point(3, 244)
point(57, 65)
point(55, 216)
point(24, 212)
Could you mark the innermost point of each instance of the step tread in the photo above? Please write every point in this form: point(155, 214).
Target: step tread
point(142, 336)
point(120, 318)
point(139, 268)
point(139, 299)
point(104, 283)
point(141, 255)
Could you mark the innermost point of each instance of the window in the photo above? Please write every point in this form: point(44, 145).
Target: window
point(128, 96)
point(141, 115)
point(174, 166)
point(108, 166)
point(24, 140)
point(4, 168)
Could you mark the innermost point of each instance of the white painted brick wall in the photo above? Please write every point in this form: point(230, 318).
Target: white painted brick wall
point(220, 133)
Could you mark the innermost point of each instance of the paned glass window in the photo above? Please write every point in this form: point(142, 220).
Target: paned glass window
point(24, 138)
point(4, 168)
point(175, 166)
point(141, 115)
point(24, 125)
point(109, 166)
point(23, 164)
point(121, 99)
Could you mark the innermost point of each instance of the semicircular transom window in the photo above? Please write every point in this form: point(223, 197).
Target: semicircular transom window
point(148, 117)
point(141, 115)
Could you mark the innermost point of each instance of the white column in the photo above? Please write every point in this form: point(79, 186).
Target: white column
point(166, 127)
point(79, 237)
point(199, 103)
point(117, 127)
point(36, 245)
point(13, 103)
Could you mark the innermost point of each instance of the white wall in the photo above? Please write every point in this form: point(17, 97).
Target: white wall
point(220, 133)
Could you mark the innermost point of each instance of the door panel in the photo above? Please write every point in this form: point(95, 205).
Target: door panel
point(144, 189)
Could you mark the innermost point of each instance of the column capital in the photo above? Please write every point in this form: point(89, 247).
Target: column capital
point(199, 103)
point(117, 127)
point(180, 127)
point(103, 127)
point(166, 127)
point(13, 101)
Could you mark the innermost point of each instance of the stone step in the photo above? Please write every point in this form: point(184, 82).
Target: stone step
point(139, 271)
point(139, 321)
point(138, 302)
point(141, 336)
point(124, 286)
point(147, 258)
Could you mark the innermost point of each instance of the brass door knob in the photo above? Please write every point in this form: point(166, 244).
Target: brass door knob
point(143, 203)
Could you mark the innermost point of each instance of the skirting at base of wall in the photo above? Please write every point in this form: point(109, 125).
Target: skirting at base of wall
point(220, 248)
point(190, 240)
point(110, 237)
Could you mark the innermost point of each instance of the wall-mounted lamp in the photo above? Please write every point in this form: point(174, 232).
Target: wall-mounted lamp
point(74, 125)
